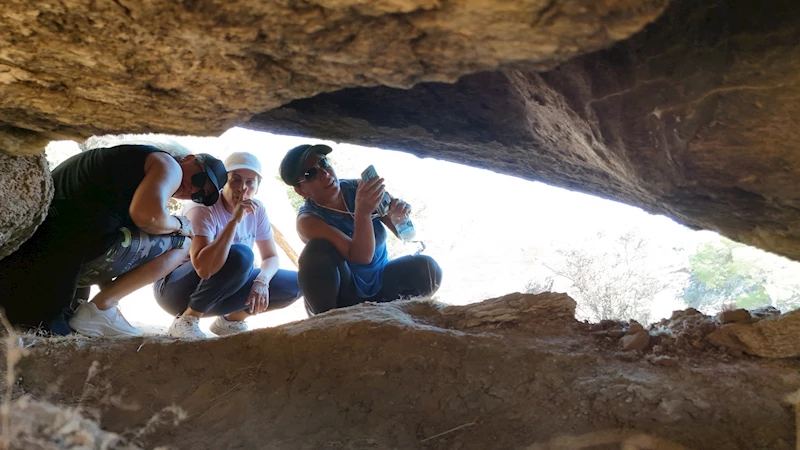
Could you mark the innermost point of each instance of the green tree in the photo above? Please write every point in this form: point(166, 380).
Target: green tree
point(294, 198)
point(718, 277)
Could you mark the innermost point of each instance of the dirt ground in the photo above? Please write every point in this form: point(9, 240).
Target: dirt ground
point(517, 372)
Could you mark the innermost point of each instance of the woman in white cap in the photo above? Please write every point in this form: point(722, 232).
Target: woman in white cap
point(220, 278)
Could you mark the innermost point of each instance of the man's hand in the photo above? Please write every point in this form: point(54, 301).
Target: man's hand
point(186, 227)
point(258, 300)
point(244, 208)
point(398, 209)
point(369, 195)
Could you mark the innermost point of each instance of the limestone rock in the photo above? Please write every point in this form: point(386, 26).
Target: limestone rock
point(390, 375)
point(687, 118)
point(774, 337)
point(764, 312)
point(637, 342)
point(663, 360)
point(26, 190)
point(76, 69)
point(733, 315)
point(512, 309)
point(635, 327)
point(40, 425)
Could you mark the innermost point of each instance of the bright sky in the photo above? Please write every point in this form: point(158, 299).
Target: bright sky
point(489, 232)
point(484, 228)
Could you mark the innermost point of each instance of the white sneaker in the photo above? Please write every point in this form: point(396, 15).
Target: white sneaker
point(225, 327)
point(187, 327)
point(91, 321)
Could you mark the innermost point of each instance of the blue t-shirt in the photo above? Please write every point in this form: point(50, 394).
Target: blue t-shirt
point(367, 278)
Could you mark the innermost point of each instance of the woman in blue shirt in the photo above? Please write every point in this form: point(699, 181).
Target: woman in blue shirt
point(345, 261)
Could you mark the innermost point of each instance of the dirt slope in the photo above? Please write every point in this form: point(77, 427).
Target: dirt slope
point(513, 372)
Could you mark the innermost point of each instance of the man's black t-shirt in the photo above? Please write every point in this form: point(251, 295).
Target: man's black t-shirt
point(95, 188)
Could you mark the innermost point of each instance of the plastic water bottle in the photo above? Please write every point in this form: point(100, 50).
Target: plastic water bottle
point(404, 227)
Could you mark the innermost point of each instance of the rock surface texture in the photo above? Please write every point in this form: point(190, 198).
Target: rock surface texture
point(75, 68)
point(26, 190)
point(35, 425)
point(695, 117)
point(773, 337)
point(513, 372)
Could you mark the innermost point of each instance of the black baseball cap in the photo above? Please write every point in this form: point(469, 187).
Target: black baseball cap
point(292, 164)
point(216, 173)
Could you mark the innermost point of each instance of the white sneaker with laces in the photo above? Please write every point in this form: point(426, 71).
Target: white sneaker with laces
point(187, 327)
point(91, 321)
point(225, 327)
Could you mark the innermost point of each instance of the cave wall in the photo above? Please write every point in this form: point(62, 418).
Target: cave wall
point(695, 117)
point(72, 69)
point(26, 190)
point(76, 69)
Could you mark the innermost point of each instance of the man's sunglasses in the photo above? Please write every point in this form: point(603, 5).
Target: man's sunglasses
point(199, 180)
point(312, 172)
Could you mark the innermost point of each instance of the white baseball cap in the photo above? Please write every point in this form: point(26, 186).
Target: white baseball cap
point(243, 160)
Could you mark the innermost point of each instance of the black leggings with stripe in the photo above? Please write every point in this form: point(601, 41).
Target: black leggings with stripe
point(327, 282)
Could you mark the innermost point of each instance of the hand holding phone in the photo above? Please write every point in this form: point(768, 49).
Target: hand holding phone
point(383, 207)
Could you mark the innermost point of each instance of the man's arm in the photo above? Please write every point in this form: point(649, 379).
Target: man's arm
point(269, 260)
point(359, 249)
point(148, 208)
point(209, 256)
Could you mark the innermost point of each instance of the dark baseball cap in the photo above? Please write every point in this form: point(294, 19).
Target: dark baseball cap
point(216, 173)
point(292, 165)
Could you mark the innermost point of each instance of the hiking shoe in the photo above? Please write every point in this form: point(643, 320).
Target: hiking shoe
point(91, 321)
point(225, 327)
point(186, 327)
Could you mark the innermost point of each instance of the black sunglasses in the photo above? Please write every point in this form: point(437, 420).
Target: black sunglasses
point(199, 180)
point(312, 172)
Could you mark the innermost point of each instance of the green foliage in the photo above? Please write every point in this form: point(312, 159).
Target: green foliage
point(754, 299)
point(719, 277)
point(294, 198)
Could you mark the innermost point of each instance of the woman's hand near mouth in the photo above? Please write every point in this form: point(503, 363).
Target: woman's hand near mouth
point(244, 208)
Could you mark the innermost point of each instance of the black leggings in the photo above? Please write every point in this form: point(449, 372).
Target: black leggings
point(226, 291)
point(39, 281)
point(327, 282)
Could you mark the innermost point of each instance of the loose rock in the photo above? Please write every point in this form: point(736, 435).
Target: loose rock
point(638, 341)
point(731, 316)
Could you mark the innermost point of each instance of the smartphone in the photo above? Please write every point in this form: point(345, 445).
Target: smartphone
point(383, 207)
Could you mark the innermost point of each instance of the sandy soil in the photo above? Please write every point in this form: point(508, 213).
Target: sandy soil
point(513, 372)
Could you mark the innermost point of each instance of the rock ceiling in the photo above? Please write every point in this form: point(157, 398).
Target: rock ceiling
point(685, 109)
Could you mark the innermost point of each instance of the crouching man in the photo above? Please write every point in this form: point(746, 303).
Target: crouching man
point(220, 279)
point(108, 224)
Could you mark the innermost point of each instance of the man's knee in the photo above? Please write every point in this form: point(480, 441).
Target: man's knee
point(429, 273)
point(240, 259)
point(319, 251)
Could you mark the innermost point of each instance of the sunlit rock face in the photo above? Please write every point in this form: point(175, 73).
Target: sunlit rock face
point(76, 68)
point(696, 117)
